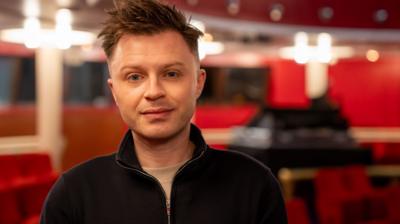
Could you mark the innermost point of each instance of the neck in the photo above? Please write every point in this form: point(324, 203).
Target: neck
point(166, 152)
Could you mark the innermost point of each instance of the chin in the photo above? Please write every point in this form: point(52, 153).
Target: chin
point(159, 132)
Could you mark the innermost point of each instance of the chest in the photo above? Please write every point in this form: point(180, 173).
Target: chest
point(144, 202)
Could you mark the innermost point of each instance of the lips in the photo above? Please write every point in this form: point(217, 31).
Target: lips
point(157, 113)
point(157, 110)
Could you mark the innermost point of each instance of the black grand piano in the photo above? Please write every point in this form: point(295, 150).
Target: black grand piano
point(293, 138)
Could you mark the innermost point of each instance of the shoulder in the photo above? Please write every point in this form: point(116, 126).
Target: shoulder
point(244, 171)
point(240, 163)
point(82, 177)
point(101, 165)
point(238, 158)
point(65, 197)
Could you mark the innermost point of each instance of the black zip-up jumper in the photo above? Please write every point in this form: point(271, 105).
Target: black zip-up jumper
point(214, 187)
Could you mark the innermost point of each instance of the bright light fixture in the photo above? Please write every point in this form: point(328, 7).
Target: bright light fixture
point(31, 8)
point(63, 28)
point(302, 53)
point(198, 24)
point(372, 55)
point(31, 32)
point(301, 48)
point(336, 53)
point(209, 48)
point(324, 48)
point(62, 37)
point(206, 44)
point(47, 37)
point(64, 17)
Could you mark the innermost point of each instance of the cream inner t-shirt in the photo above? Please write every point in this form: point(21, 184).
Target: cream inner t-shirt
point(165, 176)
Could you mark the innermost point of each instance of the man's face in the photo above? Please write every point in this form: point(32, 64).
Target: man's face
point(155, 81)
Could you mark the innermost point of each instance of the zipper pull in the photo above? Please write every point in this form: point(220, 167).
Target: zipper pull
point(168, 211)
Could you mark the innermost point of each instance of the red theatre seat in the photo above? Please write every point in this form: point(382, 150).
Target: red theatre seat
point(393, 204)
point(10, 173)
point(346, 196)
point(32, 195)
point(358, 183)
point(330, 195)
point(9, 209)
point(297, 212)
point(387, 153)
point(32, 220)
point(34, 164)
point(25, 180)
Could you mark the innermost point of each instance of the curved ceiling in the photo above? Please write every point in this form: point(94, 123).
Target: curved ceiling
point(349, 22)
point(376, 14)
point(259, 22)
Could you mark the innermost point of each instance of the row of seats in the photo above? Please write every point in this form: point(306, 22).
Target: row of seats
point(25, 180)
point(385, 153)
point(346, 196)
point(297, 211)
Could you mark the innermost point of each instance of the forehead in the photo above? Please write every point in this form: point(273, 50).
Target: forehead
point(146, 49)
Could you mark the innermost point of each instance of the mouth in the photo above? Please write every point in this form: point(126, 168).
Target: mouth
point(157, 112)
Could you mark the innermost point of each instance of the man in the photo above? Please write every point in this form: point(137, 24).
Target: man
point(163, 171)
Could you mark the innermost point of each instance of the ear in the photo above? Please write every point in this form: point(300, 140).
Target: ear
point(201, 79)
point(111, 85)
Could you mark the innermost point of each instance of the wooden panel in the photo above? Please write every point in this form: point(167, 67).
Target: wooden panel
point(90, 132)
point(17, 121)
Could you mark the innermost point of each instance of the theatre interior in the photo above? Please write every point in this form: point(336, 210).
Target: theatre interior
point(310, 88)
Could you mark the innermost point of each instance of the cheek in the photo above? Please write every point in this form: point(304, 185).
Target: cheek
point(184, 92)
point(127, 96)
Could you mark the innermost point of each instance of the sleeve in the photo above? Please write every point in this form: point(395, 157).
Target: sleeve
point(272, 208)
point(57, 208)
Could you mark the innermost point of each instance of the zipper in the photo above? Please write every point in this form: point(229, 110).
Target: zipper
point(186, 164)
point(173, 180)
point(167, 205)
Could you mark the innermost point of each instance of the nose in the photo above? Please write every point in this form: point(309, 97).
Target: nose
point(154, 89)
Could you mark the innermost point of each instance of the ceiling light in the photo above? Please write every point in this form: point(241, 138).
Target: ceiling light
point(192, 2)
point(381, 16)
point(32, 32)
point(301, 49)
point(276, 12)
point(47, 37)
point(63, 28)
point(233, 7)
point(92, 2)
point(64, 3)
point(372, 55)
point(324, 52)
point(31, 8)
point(198, 24)
point(325, 13)
point(210, 48)
point(324, 48)
point(208, 37)
point(64, 17)
point(33, 36)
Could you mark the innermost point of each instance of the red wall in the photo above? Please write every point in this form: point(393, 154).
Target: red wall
point(286, 86)
point(368, 93)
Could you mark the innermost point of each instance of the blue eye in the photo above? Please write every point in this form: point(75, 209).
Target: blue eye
point(172, 74)
point(134, 77)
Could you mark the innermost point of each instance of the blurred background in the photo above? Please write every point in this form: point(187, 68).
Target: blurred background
point(311, 88)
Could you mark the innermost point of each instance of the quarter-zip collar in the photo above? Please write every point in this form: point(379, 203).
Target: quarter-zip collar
point(127, 158)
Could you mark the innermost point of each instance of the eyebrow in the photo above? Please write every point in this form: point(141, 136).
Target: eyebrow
point(174, 64)
point(131, 66)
